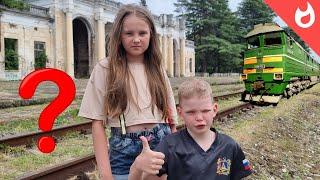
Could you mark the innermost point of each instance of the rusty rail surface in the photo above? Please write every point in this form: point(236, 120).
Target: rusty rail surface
point(4, 104)
point(232, 110)
point(65, 170)
point(88, 163)
point(17, 140)
point(85, 127)
point(225, 96)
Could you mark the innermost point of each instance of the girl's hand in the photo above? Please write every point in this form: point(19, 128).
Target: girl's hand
point(149, 161)
point(173, 128)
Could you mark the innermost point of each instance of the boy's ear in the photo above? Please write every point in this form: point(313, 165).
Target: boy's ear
point(215, 107)
point(179, 110)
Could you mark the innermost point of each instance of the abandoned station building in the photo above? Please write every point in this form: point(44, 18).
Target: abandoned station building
point(72, 35)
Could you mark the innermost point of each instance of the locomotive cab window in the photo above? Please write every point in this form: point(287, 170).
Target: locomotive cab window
point(253, 42)
point(272, 39)
point(290, 42)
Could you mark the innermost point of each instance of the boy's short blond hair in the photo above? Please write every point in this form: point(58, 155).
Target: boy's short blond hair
point(194, 88)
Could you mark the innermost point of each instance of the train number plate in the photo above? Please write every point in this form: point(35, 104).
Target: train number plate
point(260, 66)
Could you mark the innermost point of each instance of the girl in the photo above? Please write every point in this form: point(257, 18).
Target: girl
point(130, 92)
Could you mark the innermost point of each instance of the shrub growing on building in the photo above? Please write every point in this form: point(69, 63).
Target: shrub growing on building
point(40, 61)
point(11, 60)
point(15, 4)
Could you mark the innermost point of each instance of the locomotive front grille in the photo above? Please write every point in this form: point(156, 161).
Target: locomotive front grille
point(258, 85)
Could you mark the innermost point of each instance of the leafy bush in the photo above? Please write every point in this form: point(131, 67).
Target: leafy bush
point(40, 61)
point(15, 4)
point(11, 60)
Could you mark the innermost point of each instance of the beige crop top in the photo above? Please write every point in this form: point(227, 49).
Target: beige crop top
point(93, 102)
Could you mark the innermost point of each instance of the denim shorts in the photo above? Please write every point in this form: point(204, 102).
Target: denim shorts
point(125, 148)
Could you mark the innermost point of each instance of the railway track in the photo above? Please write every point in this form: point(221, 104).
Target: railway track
point(21, 102)
point(88, 163)
point(226, 96)
point(85, 128)
point(28, 138)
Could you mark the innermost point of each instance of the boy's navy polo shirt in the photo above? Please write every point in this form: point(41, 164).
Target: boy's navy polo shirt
point(186, 160)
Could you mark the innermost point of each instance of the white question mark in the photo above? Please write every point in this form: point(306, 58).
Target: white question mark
point(300, 14)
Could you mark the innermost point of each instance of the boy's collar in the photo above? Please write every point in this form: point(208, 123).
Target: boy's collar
point(212, 129)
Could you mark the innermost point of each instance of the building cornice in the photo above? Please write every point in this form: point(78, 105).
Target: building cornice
point(33, 11)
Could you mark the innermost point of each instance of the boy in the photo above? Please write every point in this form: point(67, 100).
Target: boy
point(198, 152)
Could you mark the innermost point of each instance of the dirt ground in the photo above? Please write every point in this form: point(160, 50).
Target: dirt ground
point(282, 142)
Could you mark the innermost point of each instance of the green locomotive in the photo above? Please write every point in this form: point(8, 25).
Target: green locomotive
point(275, 65)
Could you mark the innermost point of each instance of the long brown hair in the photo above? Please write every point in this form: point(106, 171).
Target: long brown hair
point(118, 88)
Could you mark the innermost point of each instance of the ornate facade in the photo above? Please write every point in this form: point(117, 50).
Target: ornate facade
point(74, 35)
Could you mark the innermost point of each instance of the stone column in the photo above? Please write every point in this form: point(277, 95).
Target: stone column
point(101, 40)
point(182, 57)
point(160, 42)
point(193, 64)
point(101, 32)
point(69, 41)
point(170, 56)
point(187, 69)
point(164, 52)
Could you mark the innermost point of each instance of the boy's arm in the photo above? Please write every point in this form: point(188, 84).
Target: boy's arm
point(148, 161)
point(153, 177)
point(100, 143)
point(136, 174)
point(240, 167)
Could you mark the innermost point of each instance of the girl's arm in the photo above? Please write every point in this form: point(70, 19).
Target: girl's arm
point(100, 144)
point(173, 115)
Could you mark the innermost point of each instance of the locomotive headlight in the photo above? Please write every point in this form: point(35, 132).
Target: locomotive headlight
point(278, 76)
point(243, 77)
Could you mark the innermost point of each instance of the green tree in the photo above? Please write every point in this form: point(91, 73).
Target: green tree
point(252, 12)
point(214, 29)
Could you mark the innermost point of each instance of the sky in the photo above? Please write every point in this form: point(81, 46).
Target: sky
point(166, 7)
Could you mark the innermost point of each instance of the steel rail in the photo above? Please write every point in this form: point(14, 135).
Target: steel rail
point(28, 138)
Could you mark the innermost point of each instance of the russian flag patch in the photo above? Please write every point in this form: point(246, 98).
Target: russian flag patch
point(246, 164)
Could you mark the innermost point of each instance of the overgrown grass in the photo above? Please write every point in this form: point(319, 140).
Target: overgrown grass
point(18, 160)
point(68, 117)
point(14, 127)
point(282, 142)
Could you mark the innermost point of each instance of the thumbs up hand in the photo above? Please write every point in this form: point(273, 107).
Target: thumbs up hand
point(149, 161)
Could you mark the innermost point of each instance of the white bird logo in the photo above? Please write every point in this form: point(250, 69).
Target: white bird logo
point(300, 14)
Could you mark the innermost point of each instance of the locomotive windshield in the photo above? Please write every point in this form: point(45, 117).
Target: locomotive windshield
point(253, 42)
point(272, 39)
